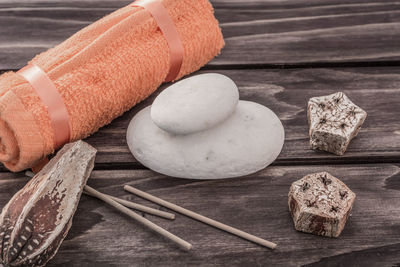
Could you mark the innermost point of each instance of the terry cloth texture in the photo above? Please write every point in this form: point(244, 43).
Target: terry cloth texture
point(101, 72)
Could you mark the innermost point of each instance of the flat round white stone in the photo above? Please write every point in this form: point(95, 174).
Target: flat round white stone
point(195, 104)
point(246, 142)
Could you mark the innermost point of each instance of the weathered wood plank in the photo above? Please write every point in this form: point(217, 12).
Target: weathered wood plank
point(256, 31)
point(101, 236)
point(286, 92)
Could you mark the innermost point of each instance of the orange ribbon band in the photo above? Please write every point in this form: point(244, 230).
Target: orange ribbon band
point(167, 27)
point(53, 101)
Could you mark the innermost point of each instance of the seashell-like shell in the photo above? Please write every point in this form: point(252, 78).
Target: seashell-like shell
point(36, 220)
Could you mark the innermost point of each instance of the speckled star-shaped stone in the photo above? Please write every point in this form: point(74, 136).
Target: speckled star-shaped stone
point(334, 120)
point(320, 204)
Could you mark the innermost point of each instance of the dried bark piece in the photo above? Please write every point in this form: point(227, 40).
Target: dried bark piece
point(320, 204)
point(334, 120)
point(36, 220)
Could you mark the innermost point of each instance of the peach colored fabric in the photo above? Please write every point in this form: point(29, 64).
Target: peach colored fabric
point(100, 72)
point(167, 27)
point(51, 98)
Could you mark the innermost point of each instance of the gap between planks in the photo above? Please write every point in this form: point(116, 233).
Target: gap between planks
point(278, 163)
point(295, 162)
point(298, 65)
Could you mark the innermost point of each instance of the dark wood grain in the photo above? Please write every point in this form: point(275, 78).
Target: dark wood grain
point(286, 92)
point(101, 236)
point(256, 31)
point(262, 37)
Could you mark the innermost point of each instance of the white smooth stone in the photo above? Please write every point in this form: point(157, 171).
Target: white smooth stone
point(246, 142)
point(195, 104)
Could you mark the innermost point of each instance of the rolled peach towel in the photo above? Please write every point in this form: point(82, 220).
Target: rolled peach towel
point(101, 72)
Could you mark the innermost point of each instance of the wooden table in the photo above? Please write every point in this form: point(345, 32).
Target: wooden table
point(280, 53)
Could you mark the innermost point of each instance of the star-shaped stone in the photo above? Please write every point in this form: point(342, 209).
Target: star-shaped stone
point(334, 120)
point(320, 204)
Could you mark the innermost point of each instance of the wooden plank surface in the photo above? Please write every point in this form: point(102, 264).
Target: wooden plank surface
point(101, 236)
point(257, 32)
point(262, 36)
point(286, 92)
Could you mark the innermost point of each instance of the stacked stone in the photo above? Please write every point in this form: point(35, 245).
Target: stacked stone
point(198, 128)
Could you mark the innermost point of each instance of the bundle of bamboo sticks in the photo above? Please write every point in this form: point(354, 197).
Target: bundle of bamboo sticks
point(122, 205)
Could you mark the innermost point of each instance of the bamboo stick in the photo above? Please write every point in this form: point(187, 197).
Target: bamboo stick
point(29, 174)
point(201, 218)
point(142, 208)
point(182, 243)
